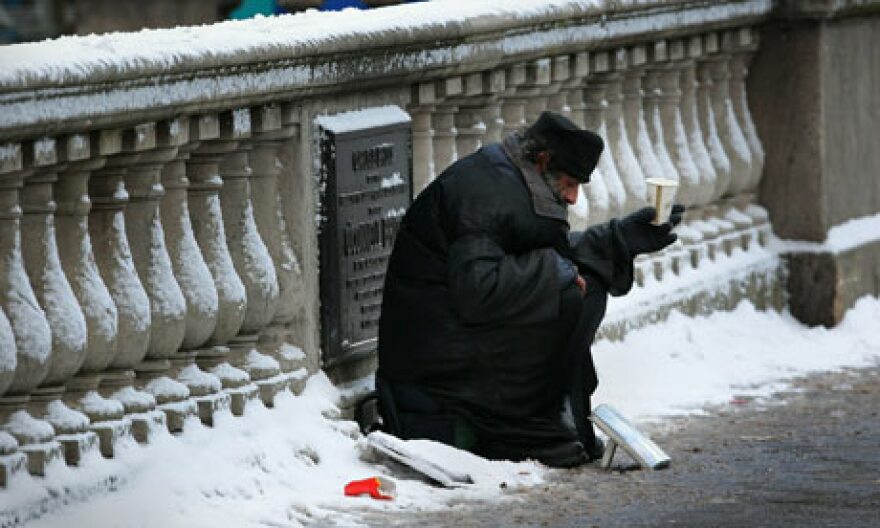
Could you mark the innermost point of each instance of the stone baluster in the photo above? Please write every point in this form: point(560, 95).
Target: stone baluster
point(251, 259)
point(536, 88)
point(114, 260)
point(471, 110)
point(300, 207)
point(8, 353)
point(513, 103)
point(423, 100)
point(636, 118)
point(744, 48)
point(619, 146)
point(443, 123)
point(152, 262)
point(653, 100)
point(560, 76)
point(495, 83)
point(579, 68)
point(708, 120)
point(693, 130)
point(106, 416)
point(731, 135)
point(207, 223)
point(270, 138)
point(676, 140)
point(12, 461)
point(196, 285)
point(55, 295)
point(32, 335)
point(595, 119)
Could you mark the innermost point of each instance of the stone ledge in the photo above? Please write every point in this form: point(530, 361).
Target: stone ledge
point(825, 9)
point(758, 276)
point(77, 95)
point(823, 286)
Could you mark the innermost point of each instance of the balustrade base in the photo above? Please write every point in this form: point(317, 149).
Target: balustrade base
point(269, 388)
point(77, 446)
point(211, 405)
point(240, 396)
point(110, 434)
point(296, 380)
point(11, 465)
point(760, 278)
point(176, 413)
point(146, 425)
point(39, 456)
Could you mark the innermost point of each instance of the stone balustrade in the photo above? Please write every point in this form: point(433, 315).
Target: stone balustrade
point(158, 234)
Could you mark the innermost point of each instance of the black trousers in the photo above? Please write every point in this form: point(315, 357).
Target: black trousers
point(410, 411)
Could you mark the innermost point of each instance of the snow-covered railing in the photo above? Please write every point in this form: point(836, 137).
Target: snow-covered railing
point(158, 234)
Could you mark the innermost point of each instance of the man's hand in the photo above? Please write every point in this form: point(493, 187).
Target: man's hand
point(641, 236)
point(581, 283)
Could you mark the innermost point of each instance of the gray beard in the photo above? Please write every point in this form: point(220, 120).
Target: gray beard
point(553, 182)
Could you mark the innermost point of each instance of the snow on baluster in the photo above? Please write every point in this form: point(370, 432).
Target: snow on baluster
point(53, 292)
point(709, 125)
point(732, 138)
point(7, 353)
point(636, 118)
point(33, 339)
point(98, 308)
point(628, 167)
point(742, 56)
point(192, 273)
point(66, 320)
point(676, 139)
point(272, 225)
point(694, 131)
point(594, 119)
point(653, 96)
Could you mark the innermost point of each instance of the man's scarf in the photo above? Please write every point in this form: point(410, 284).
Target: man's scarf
point(546, 199)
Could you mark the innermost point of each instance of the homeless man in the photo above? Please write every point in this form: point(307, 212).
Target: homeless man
point(489, 310)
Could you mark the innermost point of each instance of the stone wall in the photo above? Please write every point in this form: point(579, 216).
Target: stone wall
point(815, 95)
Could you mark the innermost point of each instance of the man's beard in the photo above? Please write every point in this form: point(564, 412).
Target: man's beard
point(552, 181)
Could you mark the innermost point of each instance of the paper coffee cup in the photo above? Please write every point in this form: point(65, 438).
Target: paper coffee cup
point(661, 192)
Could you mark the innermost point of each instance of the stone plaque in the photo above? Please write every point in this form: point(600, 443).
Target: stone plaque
point(366, 181)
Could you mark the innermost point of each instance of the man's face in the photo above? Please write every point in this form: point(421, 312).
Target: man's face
point(567, 187)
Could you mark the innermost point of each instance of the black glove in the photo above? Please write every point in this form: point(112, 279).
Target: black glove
point(641, 236)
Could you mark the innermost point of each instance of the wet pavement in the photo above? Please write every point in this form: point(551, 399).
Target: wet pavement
point(807, 457)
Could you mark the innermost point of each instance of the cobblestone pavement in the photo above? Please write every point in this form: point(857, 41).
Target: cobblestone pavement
point(807, 457)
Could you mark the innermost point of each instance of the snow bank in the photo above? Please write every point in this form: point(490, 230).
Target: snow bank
point(686, 363)
point(279, 467)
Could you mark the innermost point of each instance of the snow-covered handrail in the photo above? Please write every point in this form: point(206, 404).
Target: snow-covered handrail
point(155, 72)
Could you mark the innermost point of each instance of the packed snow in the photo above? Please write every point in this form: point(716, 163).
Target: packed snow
point(287, 466)
point(840, 239)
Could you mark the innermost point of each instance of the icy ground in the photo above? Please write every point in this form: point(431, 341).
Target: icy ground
point(288, 465)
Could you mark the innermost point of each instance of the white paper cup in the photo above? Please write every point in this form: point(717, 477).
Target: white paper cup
point(661, 193)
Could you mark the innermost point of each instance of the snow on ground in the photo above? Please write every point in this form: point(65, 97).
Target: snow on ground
point(687, 363)
point(288, 465)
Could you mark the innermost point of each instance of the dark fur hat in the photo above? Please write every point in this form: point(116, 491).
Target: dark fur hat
point(574, 150)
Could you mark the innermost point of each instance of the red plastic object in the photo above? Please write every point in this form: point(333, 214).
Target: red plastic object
point(377, 487)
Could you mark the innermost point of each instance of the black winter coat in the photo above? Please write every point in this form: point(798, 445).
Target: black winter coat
point(471, 308)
